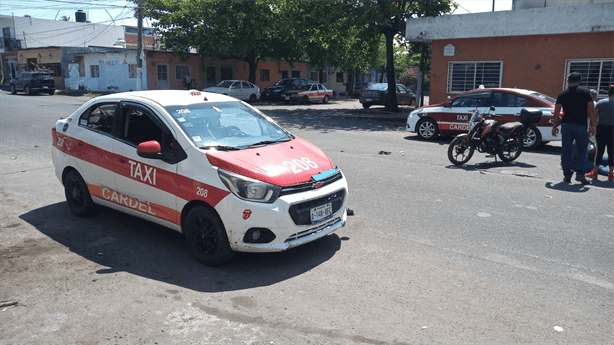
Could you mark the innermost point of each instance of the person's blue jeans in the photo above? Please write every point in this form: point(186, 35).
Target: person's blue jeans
point(569, 133)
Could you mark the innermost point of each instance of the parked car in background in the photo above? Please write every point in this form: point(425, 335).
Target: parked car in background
point(308, 93)
point(32, 83)
point(377, 94)
point(452, 116)
point(276, 91)
point(240, 89)
point(360, 87)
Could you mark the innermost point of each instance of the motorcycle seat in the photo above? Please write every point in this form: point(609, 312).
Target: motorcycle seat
point(509, 127)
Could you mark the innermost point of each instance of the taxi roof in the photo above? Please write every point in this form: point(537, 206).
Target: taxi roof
point(173, 97)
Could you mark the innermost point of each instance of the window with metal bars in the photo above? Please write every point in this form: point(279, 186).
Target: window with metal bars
point(597, 74)
point(468, 75)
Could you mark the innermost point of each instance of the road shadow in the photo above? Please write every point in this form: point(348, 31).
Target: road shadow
point(328, 120)
point(564, 187)
point(124, 243)
point(482, 166)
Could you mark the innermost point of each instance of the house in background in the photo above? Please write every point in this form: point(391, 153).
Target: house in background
point(533, 47)
point(102, 58)
point(47, 43)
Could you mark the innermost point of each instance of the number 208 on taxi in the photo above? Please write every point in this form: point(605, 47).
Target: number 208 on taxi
point(210, 166)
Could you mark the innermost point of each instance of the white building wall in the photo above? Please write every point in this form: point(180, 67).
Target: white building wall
point(36, 33)
point(524, 4)
point(534, 21)
point(114, 73)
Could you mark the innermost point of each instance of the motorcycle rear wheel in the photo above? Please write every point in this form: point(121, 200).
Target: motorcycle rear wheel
point(511, 149)
point(460, 151)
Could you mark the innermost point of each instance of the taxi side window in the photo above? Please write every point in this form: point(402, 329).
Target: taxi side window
point(504, 99)
point(99, 118)
point(476, 99)
point(139, 128)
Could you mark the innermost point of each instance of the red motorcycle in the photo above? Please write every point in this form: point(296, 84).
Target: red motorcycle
point(489, 136)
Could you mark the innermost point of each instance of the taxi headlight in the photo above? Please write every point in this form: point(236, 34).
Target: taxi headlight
point(249, 189)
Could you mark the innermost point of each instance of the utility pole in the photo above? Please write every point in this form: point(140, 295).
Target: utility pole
point(139, 47)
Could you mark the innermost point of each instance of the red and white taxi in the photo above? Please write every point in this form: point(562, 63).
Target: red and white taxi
point(314, 92)
point(452, 116)
point(207, 165)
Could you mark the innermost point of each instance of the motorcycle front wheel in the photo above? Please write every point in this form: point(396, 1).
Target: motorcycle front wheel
point(511, 149)
point(460, 151)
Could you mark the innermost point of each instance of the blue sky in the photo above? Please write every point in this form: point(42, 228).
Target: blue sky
point(120, 11)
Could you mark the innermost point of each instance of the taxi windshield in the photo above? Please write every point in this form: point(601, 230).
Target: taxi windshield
point(226, 125)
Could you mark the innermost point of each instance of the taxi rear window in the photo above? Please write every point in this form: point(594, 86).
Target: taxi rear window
point(228, 124)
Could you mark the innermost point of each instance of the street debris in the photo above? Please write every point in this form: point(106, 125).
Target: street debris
point(13, 157)
point(402, 153)
point(558, 328)
point(7, 303)
point(385, 152)
point(350, 212)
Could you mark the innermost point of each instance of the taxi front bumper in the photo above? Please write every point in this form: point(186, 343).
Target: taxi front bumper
point(281, 218)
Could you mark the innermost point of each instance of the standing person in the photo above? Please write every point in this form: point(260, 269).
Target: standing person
point(577, 105)
point(605, 134)
point(187, 81)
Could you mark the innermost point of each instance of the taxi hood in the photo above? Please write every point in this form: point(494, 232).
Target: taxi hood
point(283, 164)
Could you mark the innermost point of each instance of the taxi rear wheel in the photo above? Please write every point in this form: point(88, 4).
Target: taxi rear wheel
point(206, 237)
point(77, 195)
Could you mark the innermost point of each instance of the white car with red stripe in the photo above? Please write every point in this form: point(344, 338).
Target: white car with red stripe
point(207, 165)
point(452, 116)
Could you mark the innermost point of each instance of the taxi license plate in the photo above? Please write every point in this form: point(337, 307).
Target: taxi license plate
point(45, 87)
point(287, 98)
point(368, 99)
point(321, 212)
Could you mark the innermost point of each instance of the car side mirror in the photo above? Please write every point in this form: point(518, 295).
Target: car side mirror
point(492, 108)
point(149, 149)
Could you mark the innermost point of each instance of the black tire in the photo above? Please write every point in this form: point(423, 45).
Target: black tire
point(511, 149)
point(206, 236)
point(305, 100)
point(78, 195)
point(532, 139)
point(28, 91)
point(460, 151)
point(51, 92)
point(427, 128)
point(13, 91)
point(366, 106)
point(252, 98)
point(325, 100)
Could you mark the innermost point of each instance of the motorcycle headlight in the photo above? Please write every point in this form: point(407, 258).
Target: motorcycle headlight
point(249, 189)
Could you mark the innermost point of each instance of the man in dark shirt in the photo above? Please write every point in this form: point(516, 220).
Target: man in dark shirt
point(578, 106)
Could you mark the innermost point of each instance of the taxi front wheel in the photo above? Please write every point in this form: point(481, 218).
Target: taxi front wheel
point(77, 195)
point(206, 237)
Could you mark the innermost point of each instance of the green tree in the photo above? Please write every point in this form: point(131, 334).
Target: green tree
point(246, 30)
point(389, 17)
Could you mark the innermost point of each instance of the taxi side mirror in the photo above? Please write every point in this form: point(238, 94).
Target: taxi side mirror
point(149, 149)
point(153, 150)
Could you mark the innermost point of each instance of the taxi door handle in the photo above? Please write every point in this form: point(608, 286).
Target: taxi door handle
point(80, 143)
point(121, 160)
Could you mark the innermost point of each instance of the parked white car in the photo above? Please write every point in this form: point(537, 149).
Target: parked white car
point(240, 89)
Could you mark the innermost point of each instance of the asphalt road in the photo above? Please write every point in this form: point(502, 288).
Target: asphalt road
point(486, 253)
